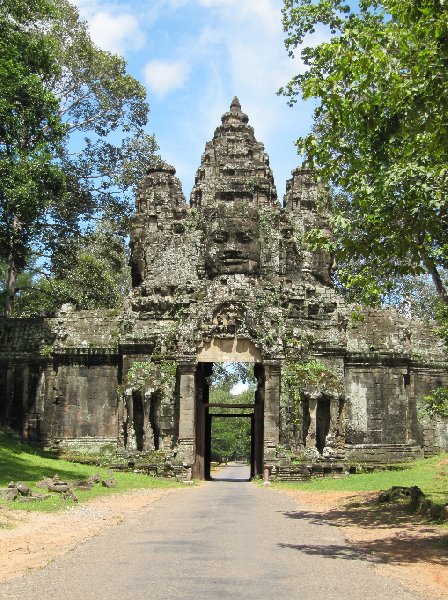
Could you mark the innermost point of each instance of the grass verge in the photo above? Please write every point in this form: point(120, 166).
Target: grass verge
point(431, 476)
point(21, 462)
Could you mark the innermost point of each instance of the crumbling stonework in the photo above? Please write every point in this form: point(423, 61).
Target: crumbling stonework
point(227, 277)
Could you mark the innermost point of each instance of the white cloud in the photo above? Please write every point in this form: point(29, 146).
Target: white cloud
point(116, 32)
point(228, 47)
point(110, 27)
point(164, 76)
point(265, 12)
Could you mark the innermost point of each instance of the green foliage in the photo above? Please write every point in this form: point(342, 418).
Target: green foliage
point(30, 130)
point(379, 135)
point(442, 320)
point(299, 378)
point(230, 439)
point(226, 375)
point(231, 436)
point(21, 462)
point(97, 97)
point(63, 101)
point(92, 273)
point(160, 375)
point(429, 474)
point(313, 373)
point(436, 403)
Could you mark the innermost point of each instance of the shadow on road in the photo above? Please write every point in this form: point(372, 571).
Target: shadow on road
point(392, 535)
point(330, 551)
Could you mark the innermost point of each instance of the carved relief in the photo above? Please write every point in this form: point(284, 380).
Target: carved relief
point(232, 244)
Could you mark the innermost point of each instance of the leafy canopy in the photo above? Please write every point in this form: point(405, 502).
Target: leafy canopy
point(30, 128)
point(379, 136)
point(64, 103)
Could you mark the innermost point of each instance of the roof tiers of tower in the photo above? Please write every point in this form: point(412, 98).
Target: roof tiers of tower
point(160, 190)
point(234, 166)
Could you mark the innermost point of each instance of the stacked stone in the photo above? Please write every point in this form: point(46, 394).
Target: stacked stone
point(234, 166)
point(229, 277)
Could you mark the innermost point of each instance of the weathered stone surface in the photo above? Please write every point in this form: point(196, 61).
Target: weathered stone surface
point(60, 488)
point(23, 489)
point(109, 483)
point(11, 494)
point(417, 501)
point(228, 277)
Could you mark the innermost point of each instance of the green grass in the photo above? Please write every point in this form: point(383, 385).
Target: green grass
point(430, 475)
point(20, 462)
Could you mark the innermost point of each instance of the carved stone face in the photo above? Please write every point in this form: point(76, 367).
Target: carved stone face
point(233, 245)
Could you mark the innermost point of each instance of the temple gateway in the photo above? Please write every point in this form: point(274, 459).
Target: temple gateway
point(226, 278)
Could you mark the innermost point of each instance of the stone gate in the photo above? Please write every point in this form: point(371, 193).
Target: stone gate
point(227, 277)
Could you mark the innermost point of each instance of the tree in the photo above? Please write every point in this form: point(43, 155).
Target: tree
point(30, 129)
point(97, 103)
point(231, 436)
point(379, 136)
point(90, 274)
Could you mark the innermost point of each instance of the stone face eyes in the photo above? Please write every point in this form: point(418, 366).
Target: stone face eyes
point(220, 237)
point(244, 237)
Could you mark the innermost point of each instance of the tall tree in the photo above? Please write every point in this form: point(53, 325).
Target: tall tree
point(98, 102)
point(92, 273)
point(30, 130)
point(379, 135)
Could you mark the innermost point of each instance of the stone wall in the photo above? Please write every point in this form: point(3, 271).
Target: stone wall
point(229, 275)
point(59, 377)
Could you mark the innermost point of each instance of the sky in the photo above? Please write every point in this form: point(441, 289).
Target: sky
point(194, 56)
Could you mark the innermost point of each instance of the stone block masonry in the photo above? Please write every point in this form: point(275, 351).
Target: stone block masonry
point(227, 277)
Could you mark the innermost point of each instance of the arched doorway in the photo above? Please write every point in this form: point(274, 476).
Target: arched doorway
point(206, 410)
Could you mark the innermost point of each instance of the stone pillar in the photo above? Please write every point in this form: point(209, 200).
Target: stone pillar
point(271, 410)
point(131, 441)
point(334, 432)
point(187, 412)
point(311, 436)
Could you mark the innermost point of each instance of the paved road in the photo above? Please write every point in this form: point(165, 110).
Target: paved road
point(224, 539)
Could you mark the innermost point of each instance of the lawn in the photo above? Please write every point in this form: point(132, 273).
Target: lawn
point(430, 475)
point(21, 462)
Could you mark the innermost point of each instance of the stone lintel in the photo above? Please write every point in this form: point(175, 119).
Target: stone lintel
point(229, 350)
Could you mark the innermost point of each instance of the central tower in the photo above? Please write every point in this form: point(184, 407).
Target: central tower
point(234, 166)
point(228, 278)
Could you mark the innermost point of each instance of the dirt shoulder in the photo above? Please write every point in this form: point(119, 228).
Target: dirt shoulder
point(399, 544)
point(30, 540)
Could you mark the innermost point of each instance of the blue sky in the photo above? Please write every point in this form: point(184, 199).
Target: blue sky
point(193, 56)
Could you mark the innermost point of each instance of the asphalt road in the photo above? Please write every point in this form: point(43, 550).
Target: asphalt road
point(223, 539)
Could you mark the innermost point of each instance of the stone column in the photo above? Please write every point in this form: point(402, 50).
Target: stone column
point(334, 431)
point(131, 440)
point(271, 410)
point(187, 412)
point(311, 436)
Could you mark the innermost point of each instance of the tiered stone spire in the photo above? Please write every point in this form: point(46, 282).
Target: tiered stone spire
point(234, 166)
point(160, 190)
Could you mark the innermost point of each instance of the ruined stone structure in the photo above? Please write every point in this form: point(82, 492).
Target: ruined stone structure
point(226, 278)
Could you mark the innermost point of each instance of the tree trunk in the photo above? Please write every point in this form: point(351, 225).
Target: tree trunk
point(11, 277)
point(437, 280)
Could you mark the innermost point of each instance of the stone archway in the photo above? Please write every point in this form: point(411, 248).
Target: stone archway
point(205, 411)
point(194, 405)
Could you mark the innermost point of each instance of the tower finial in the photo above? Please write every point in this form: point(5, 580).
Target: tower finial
point(235, 106)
